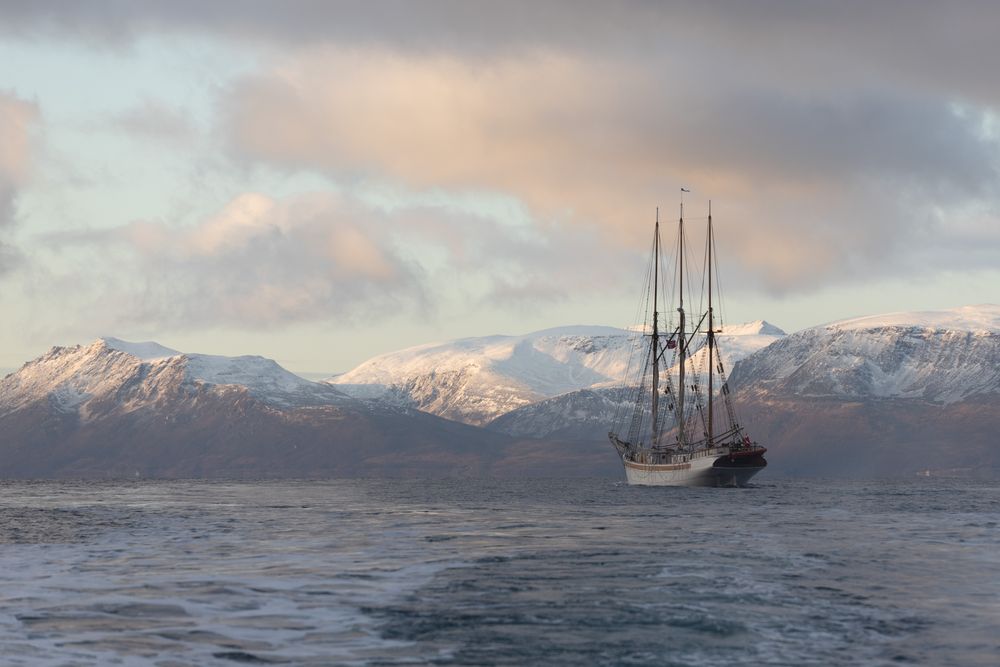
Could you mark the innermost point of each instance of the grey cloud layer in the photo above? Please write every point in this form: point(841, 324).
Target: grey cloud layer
point(837, 139)
point(951, 46)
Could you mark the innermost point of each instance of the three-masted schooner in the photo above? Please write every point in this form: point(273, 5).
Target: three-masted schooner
point(666, 430)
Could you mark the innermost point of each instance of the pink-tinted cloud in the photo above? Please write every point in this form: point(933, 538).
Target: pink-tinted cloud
point(256, 262)
point(17, 119)
point(264, 262)
point(807, 185)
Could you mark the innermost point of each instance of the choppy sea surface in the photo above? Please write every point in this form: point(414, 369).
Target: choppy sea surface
point(499, 572)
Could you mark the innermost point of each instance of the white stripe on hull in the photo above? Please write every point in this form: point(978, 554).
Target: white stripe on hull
point(699, 472)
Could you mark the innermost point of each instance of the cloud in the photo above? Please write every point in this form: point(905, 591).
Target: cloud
point(256, 262)
point(838, 141)
point(921, 44)
point(915, 42)
point(157, 120)
point(810, 185)
point(472, 26)
point(266, 262)
point(17, 118)
point(513, 266)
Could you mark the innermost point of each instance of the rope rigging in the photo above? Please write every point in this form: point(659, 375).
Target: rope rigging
point(655, 353)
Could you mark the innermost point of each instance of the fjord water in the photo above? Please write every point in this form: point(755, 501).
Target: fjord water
point(499, 572)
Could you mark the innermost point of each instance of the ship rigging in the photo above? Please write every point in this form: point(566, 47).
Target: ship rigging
point(665, 429)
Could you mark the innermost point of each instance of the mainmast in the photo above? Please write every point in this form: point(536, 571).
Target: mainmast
point(711, 328)
point(656, 332)
point(682, 338)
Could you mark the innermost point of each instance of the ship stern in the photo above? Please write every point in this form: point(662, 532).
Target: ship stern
point(738, 467)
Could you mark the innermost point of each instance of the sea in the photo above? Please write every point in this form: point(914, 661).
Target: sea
point(499, 572)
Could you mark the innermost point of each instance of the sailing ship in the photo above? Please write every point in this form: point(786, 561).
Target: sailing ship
point(666, 429)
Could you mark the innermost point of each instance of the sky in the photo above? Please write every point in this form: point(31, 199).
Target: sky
point(319, 182)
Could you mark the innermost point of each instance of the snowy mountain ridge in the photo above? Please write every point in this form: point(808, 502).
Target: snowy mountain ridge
point(938, 356)
point(70, 378)
point(119, 409)
point(475, 380)
point(976, 319)
point(917, 388)
point(942, 357)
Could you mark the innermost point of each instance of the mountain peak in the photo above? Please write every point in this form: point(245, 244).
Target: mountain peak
point(754, 328)
point(146, 350)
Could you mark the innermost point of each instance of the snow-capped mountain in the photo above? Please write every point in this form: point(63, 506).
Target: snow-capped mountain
point(111, 374)
point(876, 395)
point(113, 408)
point(883, 395)
point(475, 380)
point(942, 357)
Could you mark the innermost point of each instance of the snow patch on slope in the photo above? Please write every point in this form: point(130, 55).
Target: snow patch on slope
point(982, 318)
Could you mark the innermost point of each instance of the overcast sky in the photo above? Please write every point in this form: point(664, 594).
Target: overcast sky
point(321, 181)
